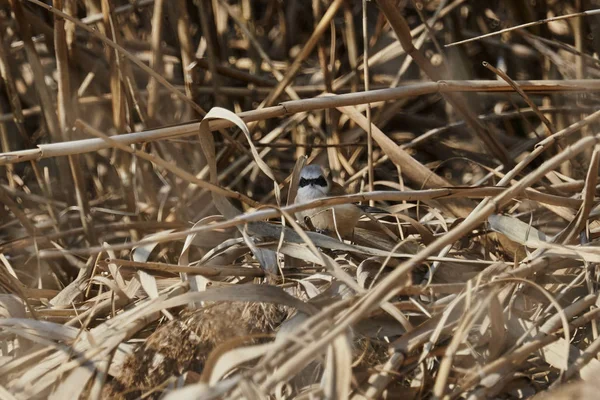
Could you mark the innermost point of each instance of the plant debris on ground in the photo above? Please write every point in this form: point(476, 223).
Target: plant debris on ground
point(151, 154)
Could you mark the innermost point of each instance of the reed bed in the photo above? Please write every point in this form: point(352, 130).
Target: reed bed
point(151, 151)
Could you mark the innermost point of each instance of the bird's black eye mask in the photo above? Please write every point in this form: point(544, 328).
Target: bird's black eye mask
point(320, 181)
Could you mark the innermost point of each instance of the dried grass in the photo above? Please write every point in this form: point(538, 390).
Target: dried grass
point(148, 247)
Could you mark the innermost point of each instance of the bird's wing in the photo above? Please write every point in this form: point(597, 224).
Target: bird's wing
point(337, 189)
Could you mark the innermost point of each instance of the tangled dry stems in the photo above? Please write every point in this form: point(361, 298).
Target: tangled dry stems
point(148, 252)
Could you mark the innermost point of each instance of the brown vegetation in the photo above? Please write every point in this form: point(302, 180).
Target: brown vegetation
point(150, 156)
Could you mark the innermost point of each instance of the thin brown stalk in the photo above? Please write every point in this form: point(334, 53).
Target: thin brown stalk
point(209, 271)
point(46, 99)
point(459, 335)
point(17, 212)
point(237, 74)
point(588, 355)
point(534, 107)
point(351, 45)
point(527, 25)
point(411, 168)
point(371, 172)
point(578, 224)
point(190, 76)
point(126, 8)
point(44, 239)
point(17, 113)
point(395, 49)
point(11, 90)
point(260, 215)
point(5, 145)
point(120, 105)
point(156, 63)
point(546, 143)
point(203, 10)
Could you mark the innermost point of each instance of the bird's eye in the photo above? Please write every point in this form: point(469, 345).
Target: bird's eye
point(303, 182)
point(321, 181)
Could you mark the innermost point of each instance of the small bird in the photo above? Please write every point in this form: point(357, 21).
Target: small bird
point(340, 218)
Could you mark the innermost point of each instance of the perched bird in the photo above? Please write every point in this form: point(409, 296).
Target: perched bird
point(315, 184)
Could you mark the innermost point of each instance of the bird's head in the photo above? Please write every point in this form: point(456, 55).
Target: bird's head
point(313, 181)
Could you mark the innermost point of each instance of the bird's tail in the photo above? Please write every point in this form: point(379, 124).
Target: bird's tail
point(372, 210)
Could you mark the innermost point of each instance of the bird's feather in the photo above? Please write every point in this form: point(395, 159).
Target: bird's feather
point(372, 210)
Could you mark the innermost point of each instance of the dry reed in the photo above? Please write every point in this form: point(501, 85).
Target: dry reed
point(151, 154)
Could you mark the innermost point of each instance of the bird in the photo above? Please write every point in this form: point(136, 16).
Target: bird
point(315, 184)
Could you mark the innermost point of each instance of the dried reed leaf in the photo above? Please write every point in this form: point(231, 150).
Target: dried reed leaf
point(233, 359)
point(266, 258)
point(11, 306)
point(73, 384)
point(197, 282)
point(517, 230)
point(337, 374)
point(295, 178)
point(42, 329)
point(414, 171)
point(75, 289)
point(555, 355)
point(589, 254)
point(142, 253)
point(148, 283)
point(203, 391)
